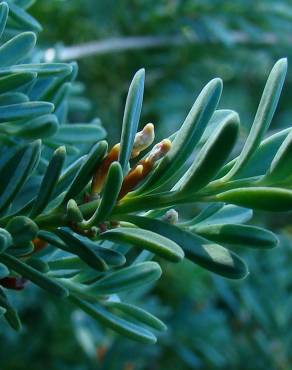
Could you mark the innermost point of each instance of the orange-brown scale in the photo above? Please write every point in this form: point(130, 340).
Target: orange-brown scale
point(102, 170)
point(135, 177)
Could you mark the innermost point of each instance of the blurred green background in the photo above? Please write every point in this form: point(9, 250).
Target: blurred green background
point(213, 323)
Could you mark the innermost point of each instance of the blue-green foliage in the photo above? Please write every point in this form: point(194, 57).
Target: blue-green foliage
point(94, 248)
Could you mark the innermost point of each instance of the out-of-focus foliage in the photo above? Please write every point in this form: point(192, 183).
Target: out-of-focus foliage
point(237, 41)
point(240, 327)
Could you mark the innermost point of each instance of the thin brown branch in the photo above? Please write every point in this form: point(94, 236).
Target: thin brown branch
point(121, 44)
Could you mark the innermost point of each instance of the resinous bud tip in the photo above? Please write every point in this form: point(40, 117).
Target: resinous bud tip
point(171, 217)
point(143, 139)
point(160, 150)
